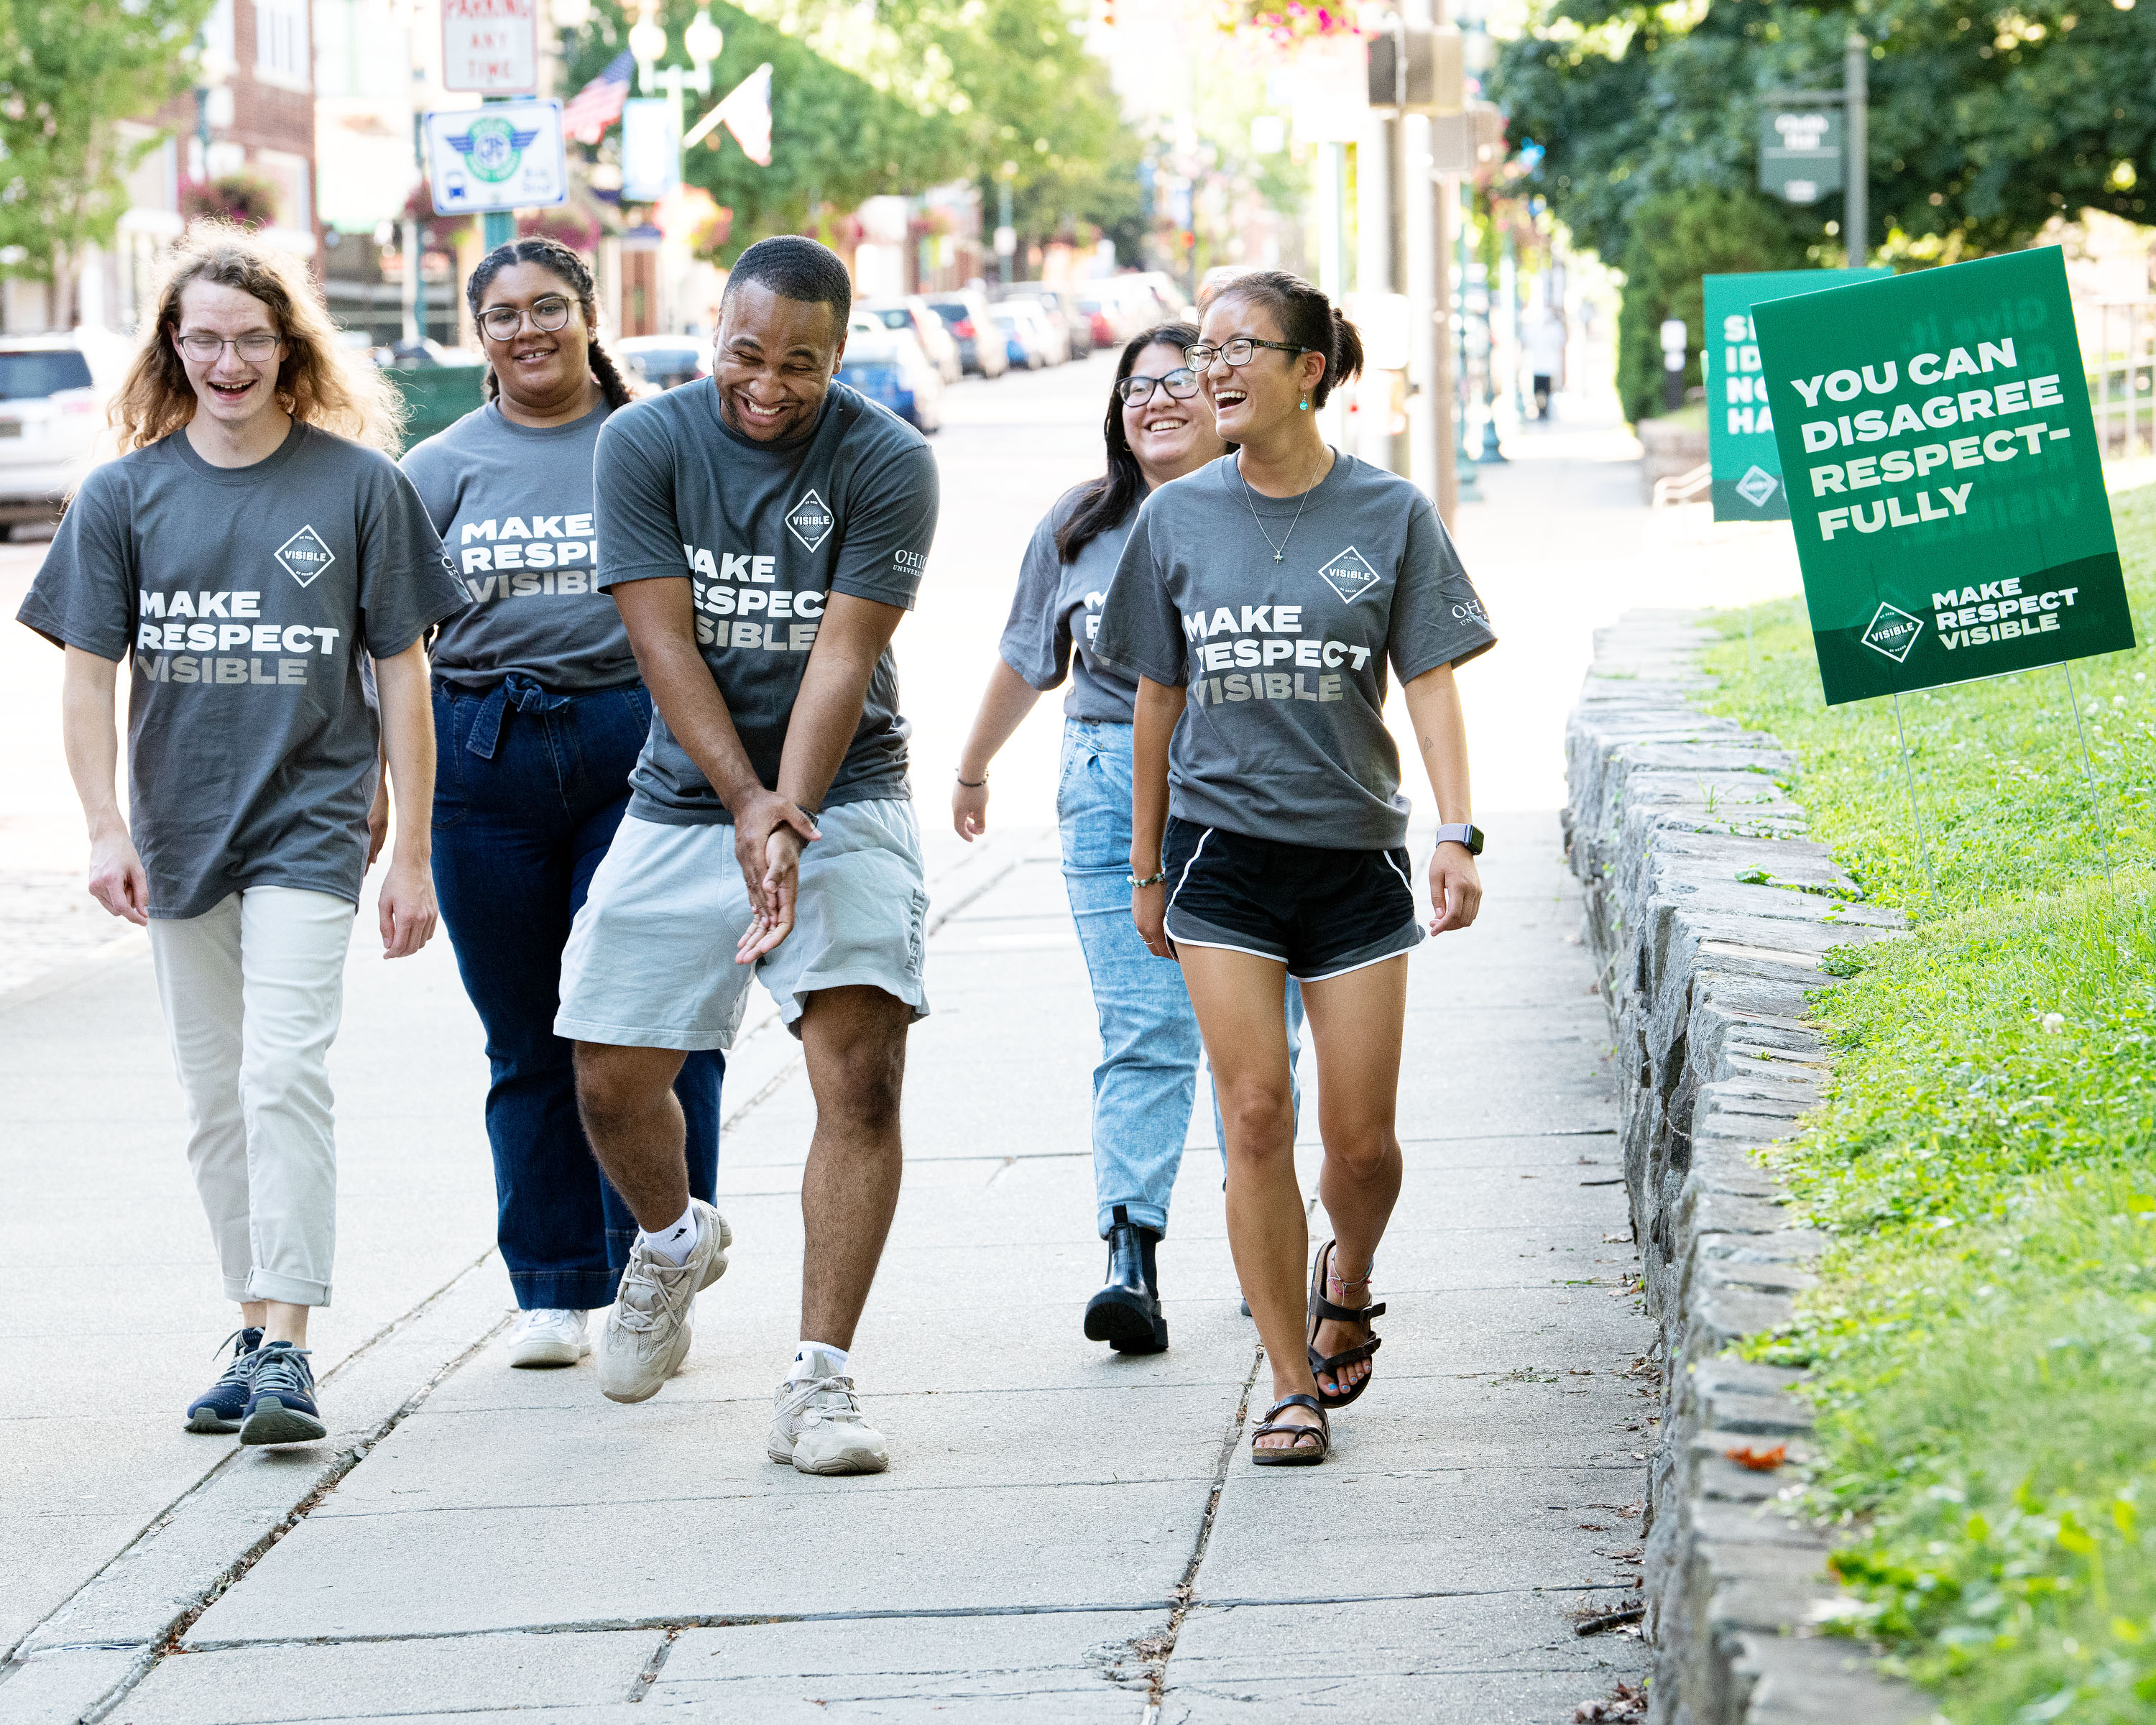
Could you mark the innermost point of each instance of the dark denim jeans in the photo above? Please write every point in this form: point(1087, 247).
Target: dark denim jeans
point(529, 787)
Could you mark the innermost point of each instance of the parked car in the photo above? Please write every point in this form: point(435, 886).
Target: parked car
point(1061, 308)
point(1041, 330)
point(913, 313)
point(1105, 319)
point(51, 410)
point(663, 361)
point(1025, 339)
point(887, 366)
point(965, 314)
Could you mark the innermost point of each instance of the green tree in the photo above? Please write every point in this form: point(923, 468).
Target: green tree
point(1986, 119)
point(1676, 237)
point(69, 74)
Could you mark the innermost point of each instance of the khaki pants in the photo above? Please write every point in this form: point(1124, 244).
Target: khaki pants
point(252, 991)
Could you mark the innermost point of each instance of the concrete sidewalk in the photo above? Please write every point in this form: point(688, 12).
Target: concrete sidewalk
point(1063, 1535)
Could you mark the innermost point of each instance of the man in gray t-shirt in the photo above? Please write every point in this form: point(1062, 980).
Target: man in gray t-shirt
point(1284, 736)
point(1055, 612)
point(762, 531)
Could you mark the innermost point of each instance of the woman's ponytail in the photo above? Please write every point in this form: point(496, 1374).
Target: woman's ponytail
point(1346, 360)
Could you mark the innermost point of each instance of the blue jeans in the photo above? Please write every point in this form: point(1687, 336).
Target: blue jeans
point(529, 786)
point(1146, 1082)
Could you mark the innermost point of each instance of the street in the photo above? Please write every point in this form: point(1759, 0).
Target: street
point(1064, 1534)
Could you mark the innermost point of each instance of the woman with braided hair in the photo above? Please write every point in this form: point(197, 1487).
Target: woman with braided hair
point(538, 716)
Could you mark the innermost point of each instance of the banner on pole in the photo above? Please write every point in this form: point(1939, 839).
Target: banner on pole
point(1800, 152)
point(1740, 421)
point(650, 150)
point(1943, 476)
point(504, 155)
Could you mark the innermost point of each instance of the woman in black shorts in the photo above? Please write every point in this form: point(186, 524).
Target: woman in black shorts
point(1258, 603)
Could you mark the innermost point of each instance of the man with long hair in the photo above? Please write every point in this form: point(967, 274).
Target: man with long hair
point(253, 549)
point(762, 531)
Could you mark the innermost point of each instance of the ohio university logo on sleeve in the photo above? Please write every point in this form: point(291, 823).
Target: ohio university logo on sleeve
point(305, 556)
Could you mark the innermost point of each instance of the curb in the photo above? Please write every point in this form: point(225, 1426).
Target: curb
point(1706, 976)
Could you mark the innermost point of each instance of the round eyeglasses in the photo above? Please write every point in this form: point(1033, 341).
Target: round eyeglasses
point(1181, 384)
point(206, 348)
point(1237, 352)
point(502, 322)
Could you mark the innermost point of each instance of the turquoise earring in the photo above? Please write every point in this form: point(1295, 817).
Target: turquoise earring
point(1302, 407)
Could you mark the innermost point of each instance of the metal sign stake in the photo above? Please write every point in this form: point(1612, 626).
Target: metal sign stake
point(2088, 768)
point(1916, 808)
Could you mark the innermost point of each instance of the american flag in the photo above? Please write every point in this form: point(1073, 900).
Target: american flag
point(597, 104)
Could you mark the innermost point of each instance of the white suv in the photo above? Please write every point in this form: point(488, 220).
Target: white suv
point(51, 412)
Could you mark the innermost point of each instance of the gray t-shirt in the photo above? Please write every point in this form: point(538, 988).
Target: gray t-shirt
point(765, 532)
point(1057, 608)
point(245, 593)
point(513, 505)
point(1284, 736)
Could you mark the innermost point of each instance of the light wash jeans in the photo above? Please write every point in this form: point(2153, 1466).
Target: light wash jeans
point(1146, 1082)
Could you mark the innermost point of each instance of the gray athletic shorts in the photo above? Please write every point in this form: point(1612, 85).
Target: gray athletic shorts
point(650, 958)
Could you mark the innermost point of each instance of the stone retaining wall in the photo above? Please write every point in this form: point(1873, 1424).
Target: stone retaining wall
point(1708, 912)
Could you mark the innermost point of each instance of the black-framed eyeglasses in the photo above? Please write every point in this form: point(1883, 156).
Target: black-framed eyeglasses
point(200, 346)
point(502, 322)
point(1237, 352)
point(1181, 384)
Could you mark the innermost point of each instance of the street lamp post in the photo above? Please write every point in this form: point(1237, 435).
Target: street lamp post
point(647, 41)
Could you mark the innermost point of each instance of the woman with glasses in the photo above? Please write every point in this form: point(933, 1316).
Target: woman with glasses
point(257, 555)
point(1158, 429)
point(539, 715)
point(1258, 603)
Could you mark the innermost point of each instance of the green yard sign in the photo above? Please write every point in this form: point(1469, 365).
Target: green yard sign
point(1740, 422)
point(1944, 475)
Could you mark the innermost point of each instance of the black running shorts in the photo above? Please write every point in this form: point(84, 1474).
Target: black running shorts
point(1322, 913)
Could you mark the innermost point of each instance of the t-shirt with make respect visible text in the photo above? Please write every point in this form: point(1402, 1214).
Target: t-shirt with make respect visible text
point(1056, 609)
point(513, 505)
point(765, 532)
point(245, 595)
point(1283, 737)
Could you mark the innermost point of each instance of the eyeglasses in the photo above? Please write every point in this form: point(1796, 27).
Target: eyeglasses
point(502, 322)
point(1181, 384)
point(1236, 352)
point(254, 347)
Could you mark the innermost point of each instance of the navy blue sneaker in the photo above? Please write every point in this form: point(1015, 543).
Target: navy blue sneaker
point(220, 1408)
point(280, 1398)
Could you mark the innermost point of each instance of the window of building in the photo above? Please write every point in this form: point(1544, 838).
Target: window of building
point(281, 43)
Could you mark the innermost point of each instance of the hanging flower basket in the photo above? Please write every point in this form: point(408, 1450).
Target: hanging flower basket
point(1284, 26)
point(246, 198)
point(572, 227)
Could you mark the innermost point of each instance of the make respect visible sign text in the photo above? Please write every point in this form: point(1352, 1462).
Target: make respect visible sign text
point(1942, 474)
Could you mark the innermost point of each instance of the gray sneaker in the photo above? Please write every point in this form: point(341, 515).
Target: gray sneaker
point(817, 1427)
point(646, 1335)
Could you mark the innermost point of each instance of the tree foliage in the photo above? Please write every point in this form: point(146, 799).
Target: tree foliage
point(68, 73)
point(1986, 120)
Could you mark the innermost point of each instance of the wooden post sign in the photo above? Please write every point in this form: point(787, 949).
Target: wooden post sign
point(1942, 476)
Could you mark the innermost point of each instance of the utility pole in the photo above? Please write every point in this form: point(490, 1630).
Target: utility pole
point(1421, 280)
point(1855, 96)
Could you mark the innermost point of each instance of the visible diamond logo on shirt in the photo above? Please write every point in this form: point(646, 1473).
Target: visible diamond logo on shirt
point(1892, 631)
point(1757, 487)
point(1349, 574)
point(305, 556)
point(810, 521)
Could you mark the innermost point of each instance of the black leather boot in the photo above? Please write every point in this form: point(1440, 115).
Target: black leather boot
point(1126, 1313)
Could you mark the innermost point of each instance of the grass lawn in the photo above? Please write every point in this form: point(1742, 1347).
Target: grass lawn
point(1983, 1337)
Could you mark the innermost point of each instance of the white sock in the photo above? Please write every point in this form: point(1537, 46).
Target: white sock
point(816, 1359)
point(673, 1244)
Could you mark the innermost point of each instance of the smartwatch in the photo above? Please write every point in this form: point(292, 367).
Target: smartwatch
point(1462, 832)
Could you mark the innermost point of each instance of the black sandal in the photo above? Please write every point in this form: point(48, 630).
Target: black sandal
point(1321, 1309)
point(1297, 1454)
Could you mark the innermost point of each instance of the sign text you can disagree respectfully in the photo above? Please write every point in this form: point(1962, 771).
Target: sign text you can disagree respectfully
point(1942, 476)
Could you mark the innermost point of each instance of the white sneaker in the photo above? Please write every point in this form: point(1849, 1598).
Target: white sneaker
point(818, 1427)
point(548, 1338)
point(646, 1336)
